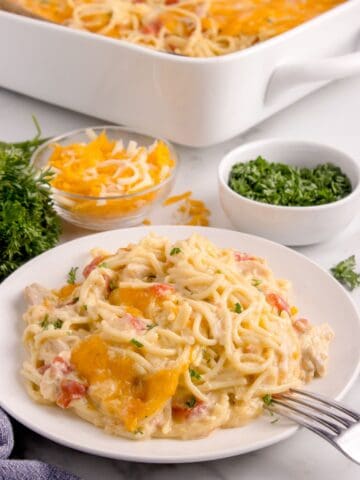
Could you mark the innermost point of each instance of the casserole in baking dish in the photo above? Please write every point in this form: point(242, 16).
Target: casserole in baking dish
point(195, 28)
point(193, 101)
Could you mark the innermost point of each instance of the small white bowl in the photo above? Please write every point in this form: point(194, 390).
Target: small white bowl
point(290, 225)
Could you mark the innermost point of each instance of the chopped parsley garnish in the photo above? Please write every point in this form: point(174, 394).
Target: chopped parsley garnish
point(83, 308)
point(175, 251)
point(191, 402)
point(112, 285)
point(288, 185)
point(71, 276)
point(194, 374)
point(238, 308)
point(138, 431)
point(150, 326)
point(58, 323)
point(345, 274)
point(103, 265)
point(136, 343)
point(267, 399)
point(76, 299)
point(256, 282)
point(45, 323)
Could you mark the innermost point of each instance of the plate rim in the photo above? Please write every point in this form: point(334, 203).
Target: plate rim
point(193, 458)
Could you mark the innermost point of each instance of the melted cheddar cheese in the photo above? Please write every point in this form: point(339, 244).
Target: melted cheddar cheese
point(116, 387)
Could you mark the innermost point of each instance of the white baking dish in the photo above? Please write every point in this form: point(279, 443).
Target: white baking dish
point(191, 101)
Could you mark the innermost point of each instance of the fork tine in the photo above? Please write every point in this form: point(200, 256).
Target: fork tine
point(331, 426)
point(325, 401)
point(344, 421)
point(298, 419)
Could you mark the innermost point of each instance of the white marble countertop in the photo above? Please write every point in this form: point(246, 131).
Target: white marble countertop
point(331, 115)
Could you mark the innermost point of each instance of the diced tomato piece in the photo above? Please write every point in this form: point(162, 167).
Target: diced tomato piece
point(278, 302)
point(162, 289)
point(152, 28)
point(107, 280)
point(93, 264)
point(43, 369)
point(182, 413)
point(242, 257)
point(171, 2)
point(70, 390)
point(301, 325)
point(136, 323)
point(61, 364)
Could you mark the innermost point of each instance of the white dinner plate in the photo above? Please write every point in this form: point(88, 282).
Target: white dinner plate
point(319, 297)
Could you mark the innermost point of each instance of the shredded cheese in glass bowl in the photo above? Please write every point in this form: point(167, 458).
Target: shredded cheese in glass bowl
point(107, 177)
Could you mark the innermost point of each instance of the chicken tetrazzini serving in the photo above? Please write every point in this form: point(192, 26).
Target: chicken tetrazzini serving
point(167, 339)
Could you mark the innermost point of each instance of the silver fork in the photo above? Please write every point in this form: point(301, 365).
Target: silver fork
point(331, 420)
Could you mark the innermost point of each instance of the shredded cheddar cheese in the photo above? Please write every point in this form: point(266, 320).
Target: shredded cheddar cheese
point(111, 172)
point(177, 198)
point(190, 211)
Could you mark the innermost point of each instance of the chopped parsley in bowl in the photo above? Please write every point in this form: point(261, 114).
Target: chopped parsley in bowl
point(289, 185)
point(296, 193)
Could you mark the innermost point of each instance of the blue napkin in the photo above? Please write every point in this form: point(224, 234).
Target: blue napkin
point(24, 469)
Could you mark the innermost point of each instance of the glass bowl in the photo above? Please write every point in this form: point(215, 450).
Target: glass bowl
point(106, 212)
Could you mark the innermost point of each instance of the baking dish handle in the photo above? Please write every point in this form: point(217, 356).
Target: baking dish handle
point(294, 74)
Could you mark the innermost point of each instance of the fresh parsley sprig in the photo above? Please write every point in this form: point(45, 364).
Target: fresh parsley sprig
point(29, 224)
point(345, 274)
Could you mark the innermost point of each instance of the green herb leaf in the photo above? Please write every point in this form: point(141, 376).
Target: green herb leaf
point(267, 399)
point(282, 184)
point(83, 308)
point(103, 265)
point(136, 343)
point(238, 308)
point(191, 402)
point(175, 251)
point(58, 323)
point(45, 323)
point(71, 276)
point(194, 374)
point(112, 285)
point(150, 326)
point(256, 282)
point(345, 274)
point(138, 431)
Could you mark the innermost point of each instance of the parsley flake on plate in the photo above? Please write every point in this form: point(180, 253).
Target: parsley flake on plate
point(136, 343)
point(71, 276)
point(191, 402)
point(238, 308)
point(267, 399)
point(194, 374)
